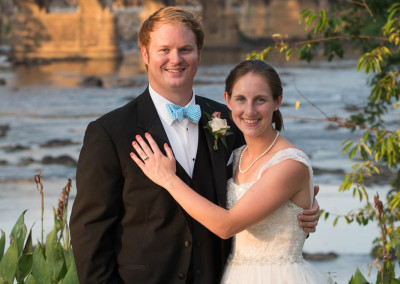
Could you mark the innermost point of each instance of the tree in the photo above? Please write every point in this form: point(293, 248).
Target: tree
point(373, 28)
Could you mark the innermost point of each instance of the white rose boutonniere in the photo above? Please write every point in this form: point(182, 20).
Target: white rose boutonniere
point(218, 128)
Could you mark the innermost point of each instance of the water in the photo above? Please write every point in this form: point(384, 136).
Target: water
point(44, 103)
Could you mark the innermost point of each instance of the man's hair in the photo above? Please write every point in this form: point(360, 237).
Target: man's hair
point(170, 15)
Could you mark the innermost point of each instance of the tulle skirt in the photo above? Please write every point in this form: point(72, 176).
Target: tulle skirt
point(287, 273)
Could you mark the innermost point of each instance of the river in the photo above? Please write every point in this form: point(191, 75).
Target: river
point(43, 104)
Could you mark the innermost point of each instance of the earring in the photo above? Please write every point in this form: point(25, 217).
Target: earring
point(276, 109)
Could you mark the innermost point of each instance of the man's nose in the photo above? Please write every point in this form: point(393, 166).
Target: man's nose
point(175, 57)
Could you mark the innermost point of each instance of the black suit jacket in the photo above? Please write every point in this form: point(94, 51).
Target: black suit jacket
point(125, 228)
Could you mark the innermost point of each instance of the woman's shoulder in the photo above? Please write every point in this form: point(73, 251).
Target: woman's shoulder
point(290, 154)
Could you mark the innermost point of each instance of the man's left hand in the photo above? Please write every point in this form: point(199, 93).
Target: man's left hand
point(309, 219)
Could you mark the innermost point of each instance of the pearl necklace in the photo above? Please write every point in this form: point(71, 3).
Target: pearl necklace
point(265, 152)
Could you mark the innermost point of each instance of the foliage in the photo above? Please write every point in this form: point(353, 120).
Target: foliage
point(372, 28)
point(50, 262)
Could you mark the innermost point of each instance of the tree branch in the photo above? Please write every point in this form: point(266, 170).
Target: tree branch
point(340, 37)
point(363, 3)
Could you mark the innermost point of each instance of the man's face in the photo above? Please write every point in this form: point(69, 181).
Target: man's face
point(172, 59)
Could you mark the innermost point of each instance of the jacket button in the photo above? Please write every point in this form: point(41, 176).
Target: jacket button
point(198, 244)
point(181, 275)
point(188, 244)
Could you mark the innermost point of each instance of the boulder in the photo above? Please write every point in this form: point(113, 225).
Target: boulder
point(320, 256)
point(15, 148)
point(92, 81)
point(57, 143)
point(60, 160)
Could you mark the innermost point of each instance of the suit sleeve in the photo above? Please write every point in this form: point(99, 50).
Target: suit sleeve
point(96, 208)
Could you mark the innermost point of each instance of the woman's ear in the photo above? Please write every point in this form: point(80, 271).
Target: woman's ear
point(279, 102)
point(227, 100)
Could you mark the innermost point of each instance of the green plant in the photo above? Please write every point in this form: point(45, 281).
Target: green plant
point(372, 28)
point(50, 262)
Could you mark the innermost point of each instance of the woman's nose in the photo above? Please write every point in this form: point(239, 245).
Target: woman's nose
point(250, 110)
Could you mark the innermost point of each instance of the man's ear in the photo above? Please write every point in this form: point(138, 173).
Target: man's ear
point(145, 55)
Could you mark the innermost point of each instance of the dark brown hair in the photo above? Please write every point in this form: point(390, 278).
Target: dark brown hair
point(266, 71)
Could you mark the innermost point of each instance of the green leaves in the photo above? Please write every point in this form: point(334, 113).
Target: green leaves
point(45, 265)
point(2, 244)
point(8, 264)
point(371, 61)
point(19, 231)
point(358, 278)
point(54, 256)
point(39, 268)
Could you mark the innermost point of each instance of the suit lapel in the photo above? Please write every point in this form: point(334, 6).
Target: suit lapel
point(217, 157)
point(149, 121)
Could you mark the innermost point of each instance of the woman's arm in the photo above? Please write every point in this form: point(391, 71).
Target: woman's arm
point(272, 190)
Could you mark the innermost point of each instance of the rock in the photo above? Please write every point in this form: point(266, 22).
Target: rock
point(61, 160)
point(3, 162)
point(332, 127)
point(2, 82)
point(92, 81)
point(320, 256)
point(4, 128)
point(352, 108)
point(57, 143)
point(15, 148)
point(207, 82)
point(319, 171)
point(128, 82)
point(25, 161)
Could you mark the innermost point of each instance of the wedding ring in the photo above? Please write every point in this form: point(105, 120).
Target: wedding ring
point(145, 158)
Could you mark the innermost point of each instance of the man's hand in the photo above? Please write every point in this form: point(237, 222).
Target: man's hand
point(309, 219)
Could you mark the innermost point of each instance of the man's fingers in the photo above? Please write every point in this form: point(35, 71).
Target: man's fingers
point(316, 190)
point(309, 230)
point(314, 210)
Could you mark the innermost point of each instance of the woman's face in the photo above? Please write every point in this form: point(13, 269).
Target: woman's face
point(252, 105)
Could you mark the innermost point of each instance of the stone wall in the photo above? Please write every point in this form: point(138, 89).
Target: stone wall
point(260, 20)
point(93, 31)
point(88, 33)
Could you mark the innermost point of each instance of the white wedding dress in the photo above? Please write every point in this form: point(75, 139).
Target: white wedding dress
point(271, 250)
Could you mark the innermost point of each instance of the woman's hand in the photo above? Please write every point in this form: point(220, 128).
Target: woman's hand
point(157, 167)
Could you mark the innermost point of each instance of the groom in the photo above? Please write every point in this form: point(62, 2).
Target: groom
point(124, 228)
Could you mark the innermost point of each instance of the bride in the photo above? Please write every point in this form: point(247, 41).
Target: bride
point(271, 184)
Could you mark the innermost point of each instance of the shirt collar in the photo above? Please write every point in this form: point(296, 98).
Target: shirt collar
point(160, 103)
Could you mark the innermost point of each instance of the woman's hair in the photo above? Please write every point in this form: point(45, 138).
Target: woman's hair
point(170, 15)
point(261, 68)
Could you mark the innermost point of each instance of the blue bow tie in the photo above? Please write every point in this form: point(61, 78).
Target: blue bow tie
point(193, 113)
